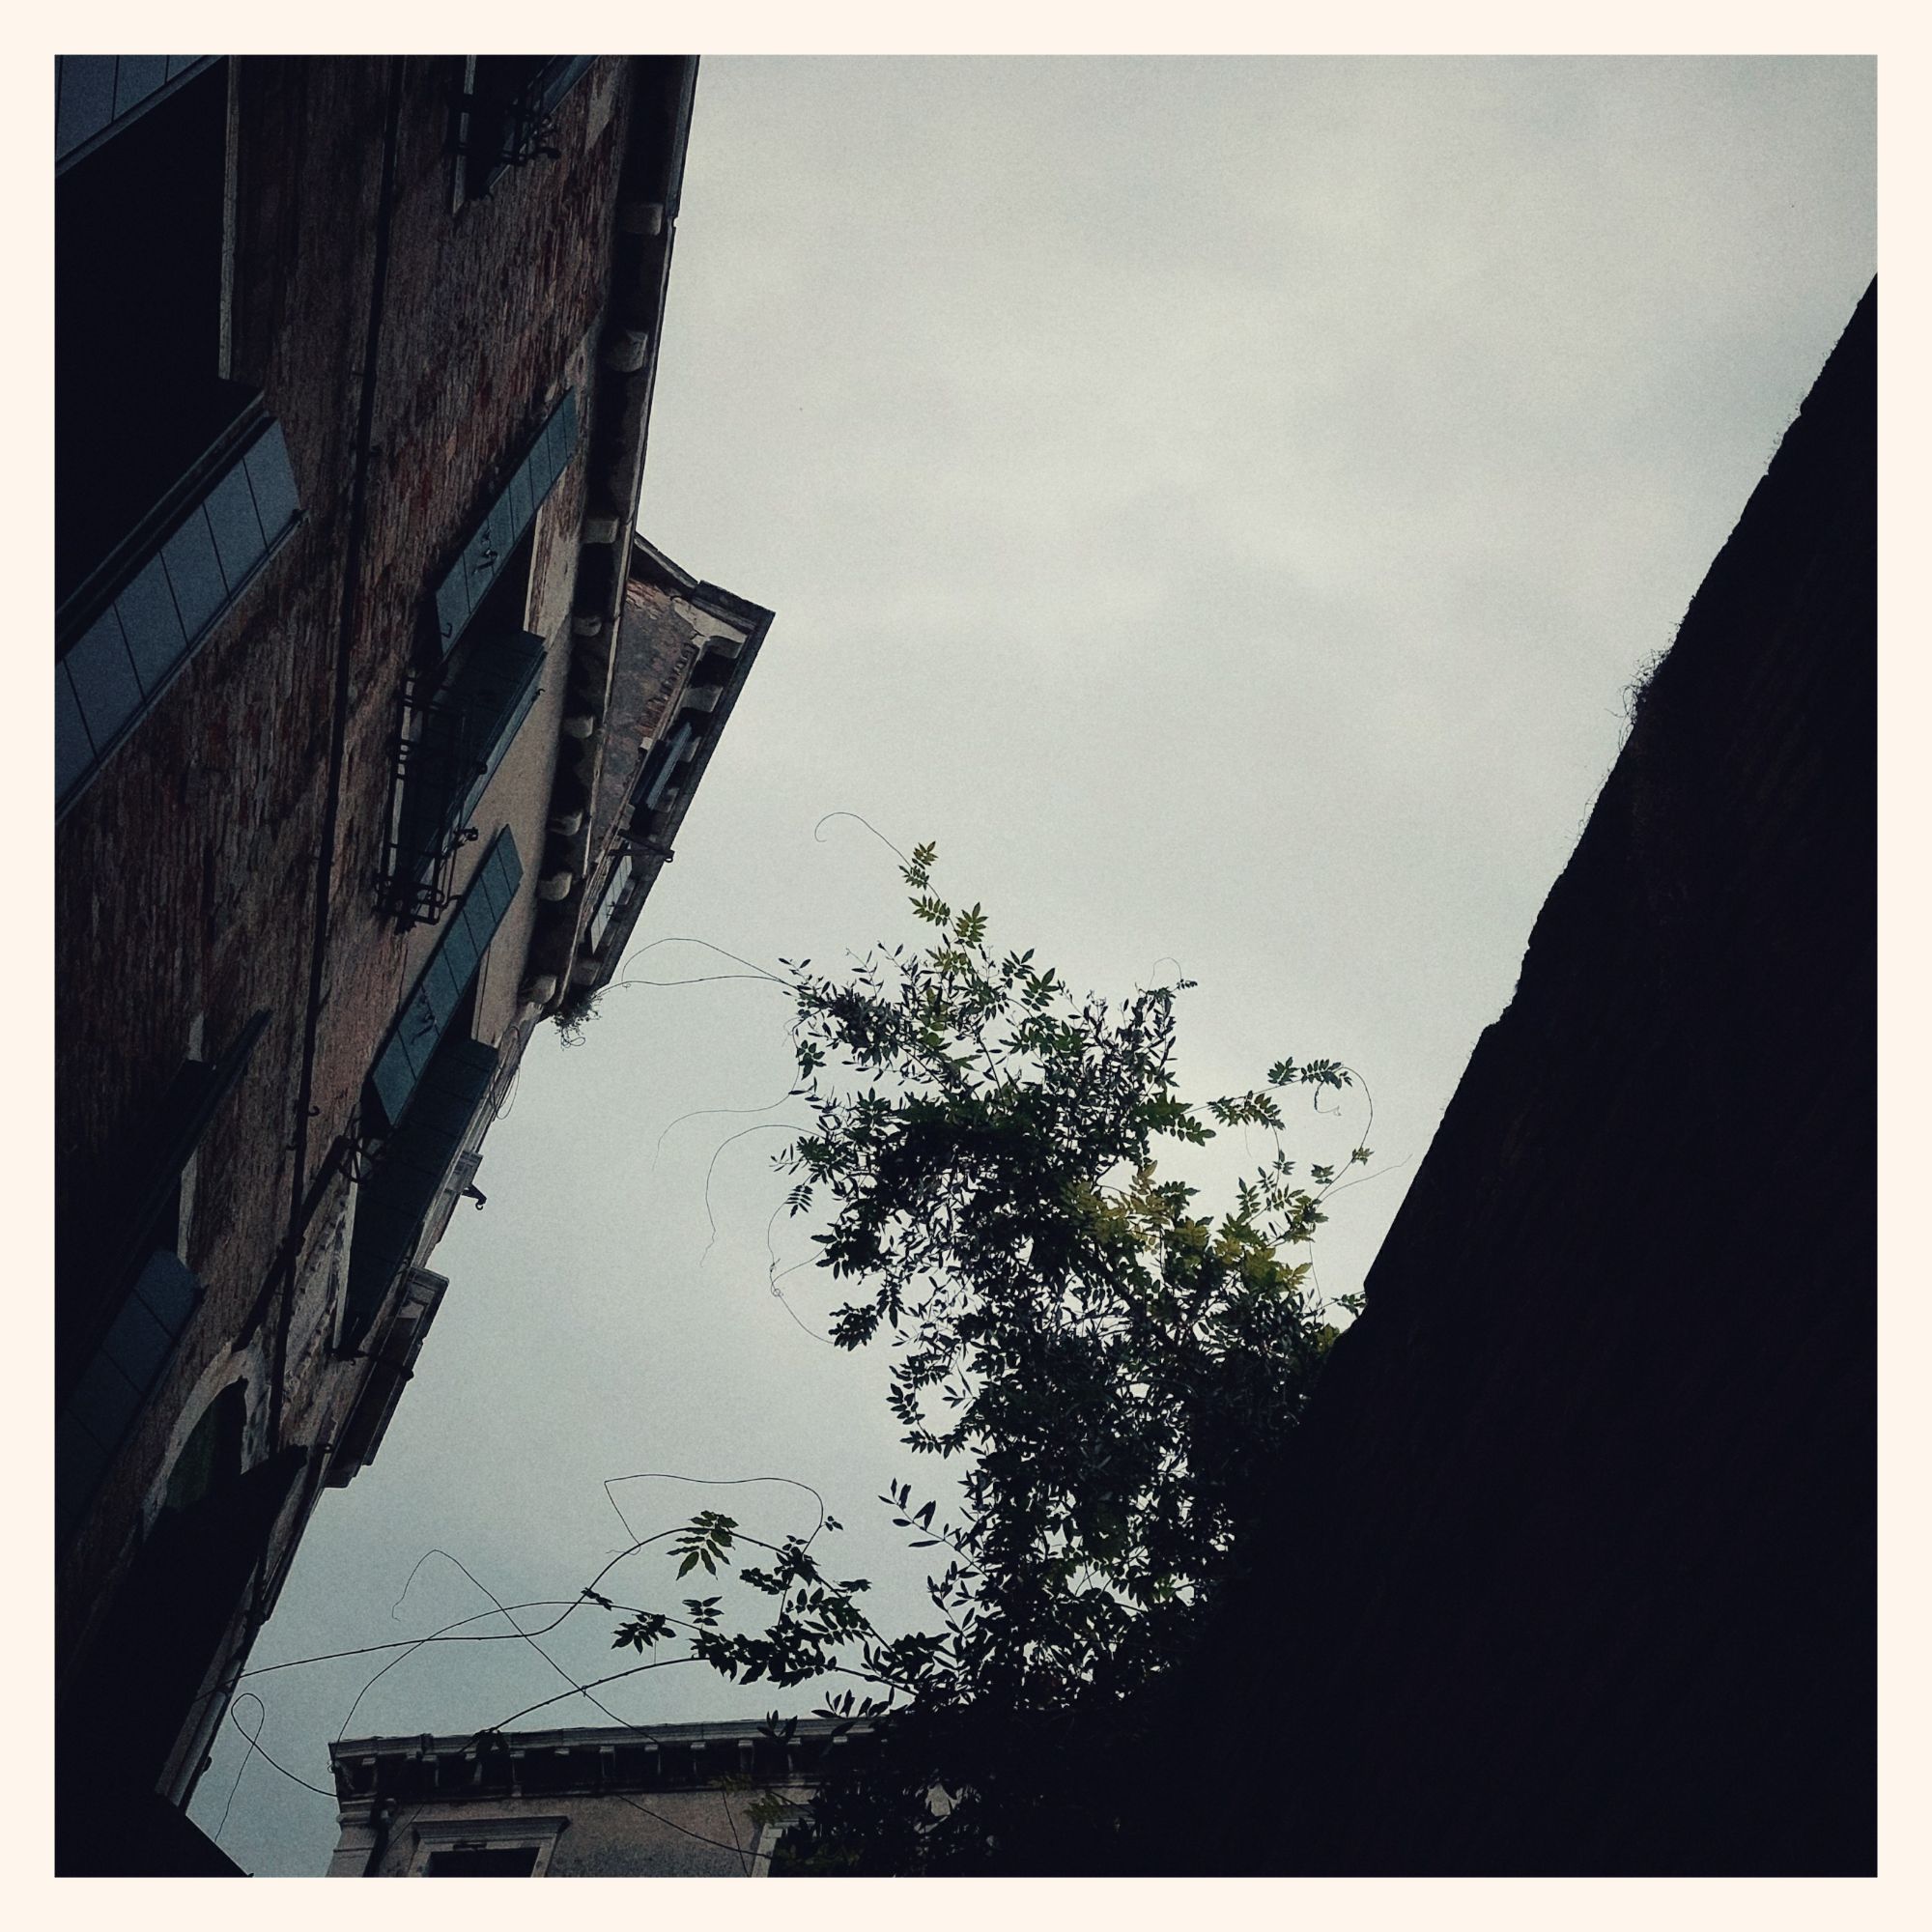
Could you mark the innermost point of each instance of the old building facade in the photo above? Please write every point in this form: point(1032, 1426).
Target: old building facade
point(361, 680)
point(660, 1800)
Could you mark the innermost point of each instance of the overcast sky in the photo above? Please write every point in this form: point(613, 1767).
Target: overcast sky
point(1222, 502)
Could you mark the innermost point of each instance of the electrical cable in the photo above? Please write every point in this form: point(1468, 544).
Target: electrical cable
point(710, 1483)
point(248, 1758)
point(434, 1637)
point(703, 1113)
point(763, 1127)
point(319, 1790)
point(818, 832)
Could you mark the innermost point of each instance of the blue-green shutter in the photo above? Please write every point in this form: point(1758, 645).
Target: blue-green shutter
point(425, 1018)
point(131, 652)
point(103, 1405)
point(511, 512)
point(391, 1203)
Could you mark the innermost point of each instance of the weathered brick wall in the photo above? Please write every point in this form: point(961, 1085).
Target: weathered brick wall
point(1573, 1567)
point(489, 316)
point(187, 875)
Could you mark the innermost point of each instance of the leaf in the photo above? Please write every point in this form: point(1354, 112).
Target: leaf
point(1109, 1352)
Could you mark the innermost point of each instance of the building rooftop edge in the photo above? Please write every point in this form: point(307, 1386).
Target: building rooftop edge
point(589, 1735)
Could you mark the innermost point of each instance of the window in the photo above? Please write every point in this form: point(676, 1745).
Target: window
point(171, 485)
point(361, 1434)
point(447, 986)
point(424, 1091)
point(110, 673)
point(608, 901)
point(395, 1197)
point(467, 584)
point(483, 1861)
point(464, 708)
point(125, 1262)
point(661, 768)
point(485, 1847)
point(503, 119)
point(97, 94)
point(465, 720)
point(137, 282)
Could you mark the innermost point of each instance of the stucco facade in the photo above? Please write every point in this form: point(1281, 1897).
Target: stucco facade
point(663, 1800)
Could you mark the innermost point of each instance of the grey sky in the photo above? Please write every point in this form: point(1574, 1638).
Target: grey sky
point(1222, 502)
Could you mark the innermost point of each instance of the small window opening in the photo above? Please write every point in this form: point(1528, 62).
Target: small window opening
point(483, 1861)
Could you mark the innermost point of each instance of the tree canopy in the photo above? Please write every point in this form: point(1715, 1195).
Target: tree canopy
point(1106, 1366)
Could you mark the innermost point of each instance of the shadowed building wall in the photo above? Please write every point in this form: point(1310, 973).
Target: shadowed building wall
point(1573, 1567)
point(354, 365)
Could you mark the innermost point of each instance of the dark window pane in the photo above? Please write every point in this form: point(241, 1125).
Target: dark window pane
point(483, 1861)
point(104, 680)
point(194, 575)
point(236, 528)
point(137, 309)
point(485, 708)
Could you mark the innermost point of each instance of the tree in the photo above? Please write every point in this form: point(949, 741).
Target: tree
point(1107, 1365)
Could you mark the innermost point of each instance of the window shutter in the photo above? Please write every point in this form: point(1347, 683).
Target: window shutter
point(608, 901)
point(419, 1027)
point(664, 761)
point(186, 1110)
point(510, 513)
point(392, 1203)
point(114, 1387)
point(94, 93)
point(118, 669)
point(468, 727)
